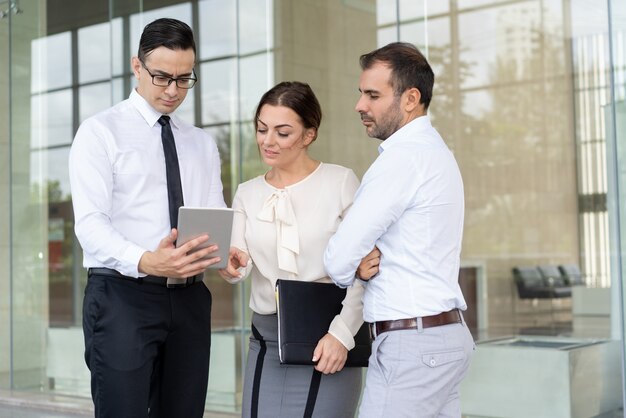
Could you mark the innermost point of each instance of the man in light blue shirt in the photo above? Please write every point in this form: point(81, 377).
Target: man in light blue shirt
point(409, 208)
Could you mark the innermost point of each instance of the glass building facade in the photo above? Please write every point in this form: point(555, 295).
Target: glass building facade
point(529, 95)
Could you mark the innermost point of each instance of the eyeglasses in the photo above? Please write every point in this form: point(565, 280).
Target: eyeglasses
point(164, 81)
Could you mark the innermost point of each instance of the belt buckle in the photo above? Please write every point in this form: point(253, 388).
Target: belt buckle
point(173, 283)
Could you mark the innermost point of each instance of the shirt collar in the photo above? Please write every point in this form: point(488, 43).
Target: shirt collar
point(406, 133)
point(149, 114)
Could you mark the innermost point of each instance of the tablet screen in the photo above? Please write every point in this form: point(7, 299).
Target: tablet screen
point(216, 222)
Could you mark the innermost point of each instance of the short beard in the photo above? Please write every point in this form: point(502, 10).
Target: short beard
point(389, 123)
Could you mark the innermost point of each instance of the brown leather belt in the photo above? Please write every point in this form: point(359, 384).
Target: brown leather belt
point(444, 318)
point(161, 281)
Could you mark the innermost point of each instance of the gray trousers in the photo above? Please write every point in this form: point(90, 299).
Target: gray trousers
point(417, 373)
point(272, 390)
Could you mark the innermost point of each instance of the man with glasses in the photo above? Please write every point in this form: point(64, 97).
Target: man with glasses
point(146, 312)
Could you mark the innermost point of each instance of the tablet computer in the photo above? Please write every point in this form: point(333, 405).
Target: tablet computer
point(217, 223)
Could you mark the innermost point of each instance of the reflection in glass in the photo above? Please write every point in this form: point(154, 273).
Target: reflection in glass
point(51, 119)
point(251, 161)
point(413, 9)
point(256, 25)
point(257, 76)
point(117, 90)
point(119, 63)
point(591, 97)
point(51, 62)
point(186, 109)
point(49, 173)
point(465, 4)
point(218, 83)
point(386, 12)
point(222, 136)
point(218, 28)
point(93, 99)
point(508, 38)
point(386, 35)
point(94, 52)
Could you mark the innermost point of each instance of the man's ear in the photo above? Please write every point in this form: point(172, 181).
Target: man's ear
point(135, 65)
point(412, 100)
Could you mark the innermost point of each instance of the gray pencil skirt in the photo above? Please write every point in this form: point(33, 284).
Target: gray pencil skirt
point(272, 390)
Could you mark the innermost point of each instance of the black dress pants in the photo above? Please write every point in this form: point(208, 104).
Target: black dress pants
point(147, 347)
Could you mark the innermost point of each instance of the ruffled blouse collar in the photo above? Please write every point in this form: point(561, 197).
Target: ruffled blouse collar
point(279, 210)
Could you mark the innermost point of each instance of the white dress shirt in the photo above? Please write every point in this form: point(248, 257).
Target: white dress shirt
point(285, 232)
point(119, 185)
point(410, 205)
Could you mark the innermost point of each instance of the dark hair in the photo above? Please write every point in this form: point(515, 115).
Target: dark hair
point(298, 97)
point(409, 68)
point(170, 33)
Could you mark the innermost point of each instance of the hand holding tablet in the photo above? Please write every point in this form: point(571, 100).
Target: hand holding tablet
point(217, 223)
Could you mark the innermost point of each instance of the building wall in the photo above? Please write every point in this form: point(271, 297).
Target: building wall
point(314, 44)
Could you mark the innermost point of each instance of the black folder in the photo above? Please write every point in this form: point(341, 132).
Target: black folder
point(305, 311)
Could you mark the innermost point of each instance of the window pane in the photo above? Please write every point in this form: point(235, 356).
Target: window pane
point(219, 91)
point(51, 62)
point(94, 52)
point(118, 94)
point(218, 28)
point(256, 78)
point(412, 9)
point(252, 164)
point(223, 137)
point(464, 4)
point(51, 119)
point(93, 99)
point(387, 35)
point(49, 172)
point(386, 12)
point(186, 109)
point(499, 42)
point(120, 63)
point(256, 25)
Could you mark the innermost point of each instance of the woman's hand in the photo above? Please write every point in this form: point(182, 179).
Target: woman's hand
point(369, 265)
point(237, 259)
point(330, 355)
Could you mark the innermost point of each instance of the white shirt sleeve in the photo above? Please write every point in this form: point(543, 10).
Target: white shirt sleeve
point(91, 180)
point(345, 325)
point(387, 189)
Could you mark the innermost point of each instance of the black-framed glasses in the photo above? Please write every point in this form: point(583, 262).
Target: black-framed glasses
point(164, 81)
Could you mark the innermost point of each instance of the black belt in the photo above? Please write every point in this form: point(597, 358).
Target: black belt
point(444, 318)
point(158, 280)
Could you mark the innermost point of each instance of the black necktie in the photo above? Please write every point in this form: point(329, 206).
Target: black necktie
point(174, 187)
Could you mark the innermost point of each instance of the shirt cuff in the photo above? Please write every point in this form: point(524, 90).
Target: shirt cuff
point(128, 265)
point(340, 330)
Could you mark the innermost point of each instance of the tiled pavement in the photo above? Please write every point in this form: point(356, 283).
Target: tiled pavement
point(38, 405)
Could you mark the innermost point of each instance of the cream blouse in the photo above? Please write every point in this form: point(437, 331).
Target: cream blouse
point(285, 232)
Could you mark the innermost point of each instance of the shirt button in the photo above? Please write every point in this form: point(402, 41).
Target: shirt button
point(433, 362)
